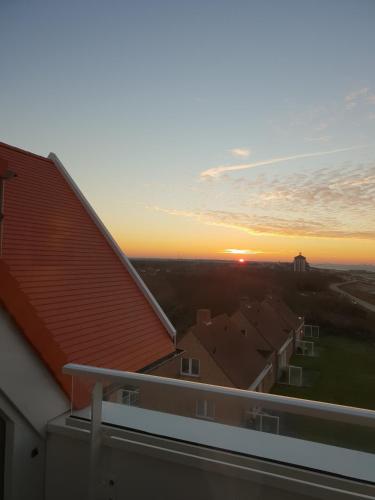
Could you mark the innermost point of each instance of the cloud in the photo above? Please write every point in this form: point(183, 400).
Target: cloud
point(345, 192)
point(322, 138)
point(361, 94)
point(240, 152)
point(237, 251)
point(321, 126)
point(353, 96)
point(257, 224)
point(217, 171)
point(322, 203)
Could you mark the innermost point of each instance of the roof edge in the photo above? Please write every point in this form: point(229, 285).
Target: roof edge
point(24, 151)
point(115, 247)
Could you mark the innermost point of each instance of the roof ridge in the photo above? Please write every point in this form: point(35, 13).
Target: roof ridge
point(24, 151)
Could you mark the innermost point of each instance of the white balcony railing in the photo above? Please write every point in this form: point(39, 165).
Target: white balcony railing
point(324, 437)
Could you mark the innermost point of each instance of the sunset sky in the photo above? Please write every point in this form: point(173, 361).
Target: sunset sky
point(204, 129)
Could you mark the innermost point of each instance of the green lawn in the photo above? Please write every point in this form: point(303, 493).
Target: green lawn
point(343, 373)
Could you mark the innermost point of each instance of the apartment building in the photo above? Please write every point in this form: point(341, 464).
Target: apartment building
point(300, 263)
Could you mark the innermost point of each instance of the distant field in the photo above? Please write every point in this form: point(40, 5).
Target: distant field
point(345, 373)
point(360, 291)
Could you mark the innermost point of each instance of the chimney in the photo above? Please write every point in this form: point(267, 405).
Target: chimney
point(203, 317)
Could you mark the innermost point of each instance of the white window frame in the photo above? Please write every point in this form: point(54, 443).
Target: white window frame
point(208, 409)
point(129, 396)
point(190, 373)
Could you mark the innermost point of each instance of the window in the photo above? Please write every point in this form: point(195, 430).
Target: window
point(185, 365)
point(205, 409)
point(190, 366)
point(282, 359)
point(129, 396)
point(244, 332)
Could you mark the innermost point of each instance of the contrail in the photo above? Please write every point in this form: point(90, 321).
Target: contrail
point(216, 171)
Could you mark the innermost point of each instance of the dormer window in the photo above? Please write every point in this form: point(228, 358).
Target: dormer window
point(190, 367)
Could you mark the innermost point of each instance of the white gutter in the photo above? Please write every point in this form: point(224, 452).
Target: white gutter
point(115, 247)
point(260, 377)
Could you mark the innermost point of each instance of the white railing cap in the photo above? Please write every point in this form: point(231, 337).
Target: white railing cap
point(317, 409)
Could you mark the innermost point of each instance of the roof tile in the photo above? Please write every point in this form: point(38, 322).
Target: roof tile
point(76, 286)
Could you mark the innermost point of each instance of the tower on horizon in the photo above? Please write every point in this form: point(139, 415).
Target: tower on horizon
point(300, 264)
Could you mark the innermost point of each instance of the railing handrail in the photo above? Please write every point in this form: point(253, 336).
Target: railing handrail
point(317, 409)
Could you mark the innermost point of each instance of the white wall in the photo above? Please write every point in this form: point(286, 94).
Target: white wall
point(29, 398)
point(25, 380)
point(24, 456)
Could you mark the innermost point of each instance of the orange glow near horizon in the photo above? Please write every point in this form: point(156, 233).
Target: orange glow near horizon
point(160, 236)
point(279, 249)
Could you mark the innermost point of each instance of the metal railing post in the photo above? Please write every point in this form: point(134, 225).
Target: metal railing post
point(95, 439)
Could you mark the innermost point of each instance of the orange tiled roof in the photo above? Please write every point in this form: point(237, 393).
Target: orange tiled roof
point(69, 278)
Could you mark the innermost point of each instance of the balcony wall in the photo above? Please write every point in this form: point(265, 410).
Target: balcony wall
point(139, 466)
